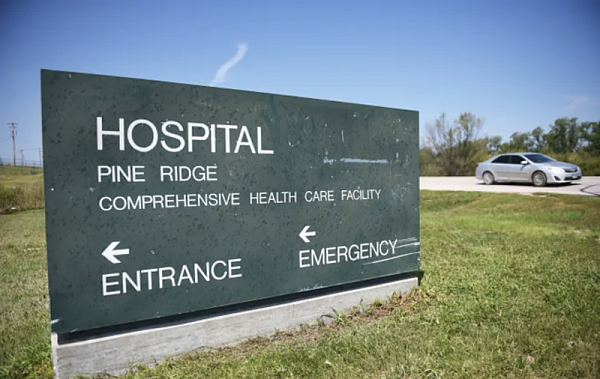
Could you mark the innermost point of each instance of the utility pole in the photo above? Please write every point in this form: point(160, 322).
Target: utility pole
point(41, 165)
point(22, 160)
point(13, 133)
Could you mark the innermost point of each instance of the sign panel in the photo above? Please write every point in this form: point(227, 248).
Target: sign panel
point(163, 198)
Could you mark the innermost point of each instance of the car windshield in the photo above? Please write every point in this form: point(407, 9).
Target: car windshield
point(538, 158)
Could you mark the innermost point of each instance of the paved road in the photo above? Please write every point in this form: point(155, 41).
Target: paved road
point(588, 186)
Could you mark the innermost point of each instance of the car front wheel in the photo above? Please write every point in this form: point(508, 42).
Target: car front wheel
point(539, 179)
point(488, 178)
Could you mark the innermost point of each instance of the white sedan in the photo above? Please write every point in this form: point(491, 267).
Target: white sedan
point(533, 168)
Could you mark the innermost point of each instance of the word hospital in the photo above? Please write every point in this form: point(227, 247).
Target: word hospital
point(176, 138)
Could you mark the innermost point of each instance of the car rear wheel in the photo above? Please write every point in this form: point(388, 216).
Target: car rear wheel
point(539, 179)
point(488, 178)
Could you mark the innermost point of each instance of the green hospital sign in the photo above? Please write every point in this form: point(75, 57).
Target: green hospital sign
point(165, 199)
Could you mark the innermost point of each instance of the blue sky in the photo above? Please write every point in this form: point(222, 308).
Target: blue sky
point(517, 64)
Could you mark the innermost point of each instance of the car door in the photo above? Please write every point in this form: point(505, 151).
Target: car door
point(500, 167)
point(511, 170)
point(519, 172)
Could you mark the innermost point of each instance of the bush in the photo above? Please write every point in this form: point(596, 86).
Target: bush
point(22, 197)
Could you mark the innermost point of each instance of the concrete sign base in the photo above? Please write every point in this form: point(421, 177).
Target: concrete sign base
point(118, 353)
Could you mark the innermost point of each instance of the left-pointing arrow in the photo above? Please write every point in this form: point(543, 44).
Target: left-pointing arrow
point(110, 252)
point(304, 234)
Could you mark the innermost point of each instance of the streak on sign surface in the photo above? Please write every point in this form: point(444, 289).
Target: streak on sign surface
point(165, 199)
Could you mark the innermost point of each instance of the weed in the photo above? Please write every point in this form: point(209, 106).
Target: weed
point(20, 190)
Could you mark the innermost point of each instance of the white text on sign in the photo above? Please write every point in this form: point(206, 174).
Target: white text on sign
point(352, 253)
point(218, 199)
point(120, 283)
point(116, 174)
point(175, 138)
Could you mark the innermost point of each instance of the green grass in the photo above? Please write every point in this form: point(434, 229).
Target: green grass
point(21, 188)
point(511, 289)
point(17, 175)
point(24, 313)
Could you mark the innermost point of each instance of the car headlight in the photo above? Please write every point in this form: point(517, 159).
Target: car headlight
point(557, 169)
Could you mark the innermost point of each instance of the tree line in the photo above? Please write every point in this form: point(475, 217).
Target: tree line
point(454, 148)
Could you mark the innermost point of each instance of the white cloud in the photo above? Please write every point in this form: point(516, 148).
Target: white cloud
point(221, 74)
point(577, 102)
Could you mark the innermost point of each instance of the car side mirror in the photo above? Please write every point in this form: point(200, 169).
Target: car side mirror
point(524, 162)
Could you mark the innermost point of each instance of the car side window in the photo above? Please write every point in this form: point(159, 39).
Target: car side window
point(502, 159)
point(516, 159)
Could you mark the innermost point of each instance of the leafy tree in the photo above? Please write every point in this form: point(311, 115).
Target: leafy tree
point(565, 135)
point(537, 139)
point(528, 141)
point(493, 144)
point(455, 147)
point(519, 142)
point(591, 135)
